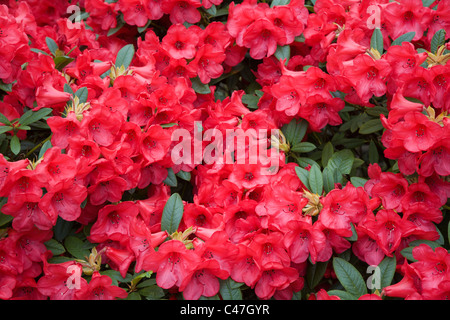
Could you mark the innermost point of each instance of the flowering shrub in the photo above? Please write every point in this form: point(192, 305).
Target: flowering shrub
point(186, 149)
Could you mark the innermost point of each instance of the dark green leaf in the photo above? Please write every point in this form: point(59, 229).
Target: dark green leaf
point(171, 179)
point(358, 181)
point(303, 147)
point(7, 87)
point(142, 29)
point(172, 213)
point(4, 119)
point(125, 56)
point(62, 61)
point(427, 3)
point(15, 144)
point(39, 51)
point(152, 292)
point(327, 152)
point(328, 179)
point(32, 116)
point(283, 53)
point(344, 295)
point(55, 247)
point(437, 40)
point(199, 86)
point(230, 289)
point(407, 37)
point(74, 246)
point(371, 126)
point(250, 100)
point(68, 89)
point(112, 31)
point(373, 152)
point(294, 131)
point(349, 277)
point(82, 94)
point(354, 235)
point(47, 145)
point(303, 175)
point(51, 44)
point(184, 175)
point(376, 41)
point(316, 180)
point(342, 160)
point(279, 3)
point(387, 270)
point(62, 228)
point(315, 273)
point(4, 129)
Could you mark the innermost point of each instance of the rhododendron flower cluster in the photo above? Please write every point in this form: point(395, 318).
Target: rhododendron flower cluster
point(184, 149)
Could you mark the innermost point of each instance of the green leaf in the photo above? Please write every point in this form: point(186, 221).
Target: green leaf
point(342, 160)
point(142, 29)
point(152, 292)
point(327, 152)
point(172, 213)
point(427, 3)
point(32, 116)
point(279, 3)
point(62, 61)
point(371, 126)
point(74, 246)
point(4, 119)
point(51, 44)
point(448, 231)
point(250, 100)
point(303, 147)
point(407, 37)
point(7, 87)
point(315, 273)
point(376, 41)
point(283, 53)
point(328, 179)
point(354, 235)
point(133, 296)
point(437, 40)
point(199, 86)
point(230, 289)
point(82, 94)
point(316, 180)
point(387, 270)
point(186, 176)
point(212, 10)
point(303, 175)
point(55, 247)
point(4, 129)
point(112, 31)
point(373, 152)
point(349, 277)
point(47, 145)
point(294, 131)
point(358, 181)
point(407, 252)
point(171, 179)
point(68, 89)
point(344, 295)
point(39, 51)
point(125, 56)
point(15, 145)
point(62, 228)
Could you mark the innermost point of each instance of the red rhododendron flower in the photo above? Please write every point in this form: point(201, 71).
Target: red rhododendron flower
point(100, 288)
point(172, 263)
